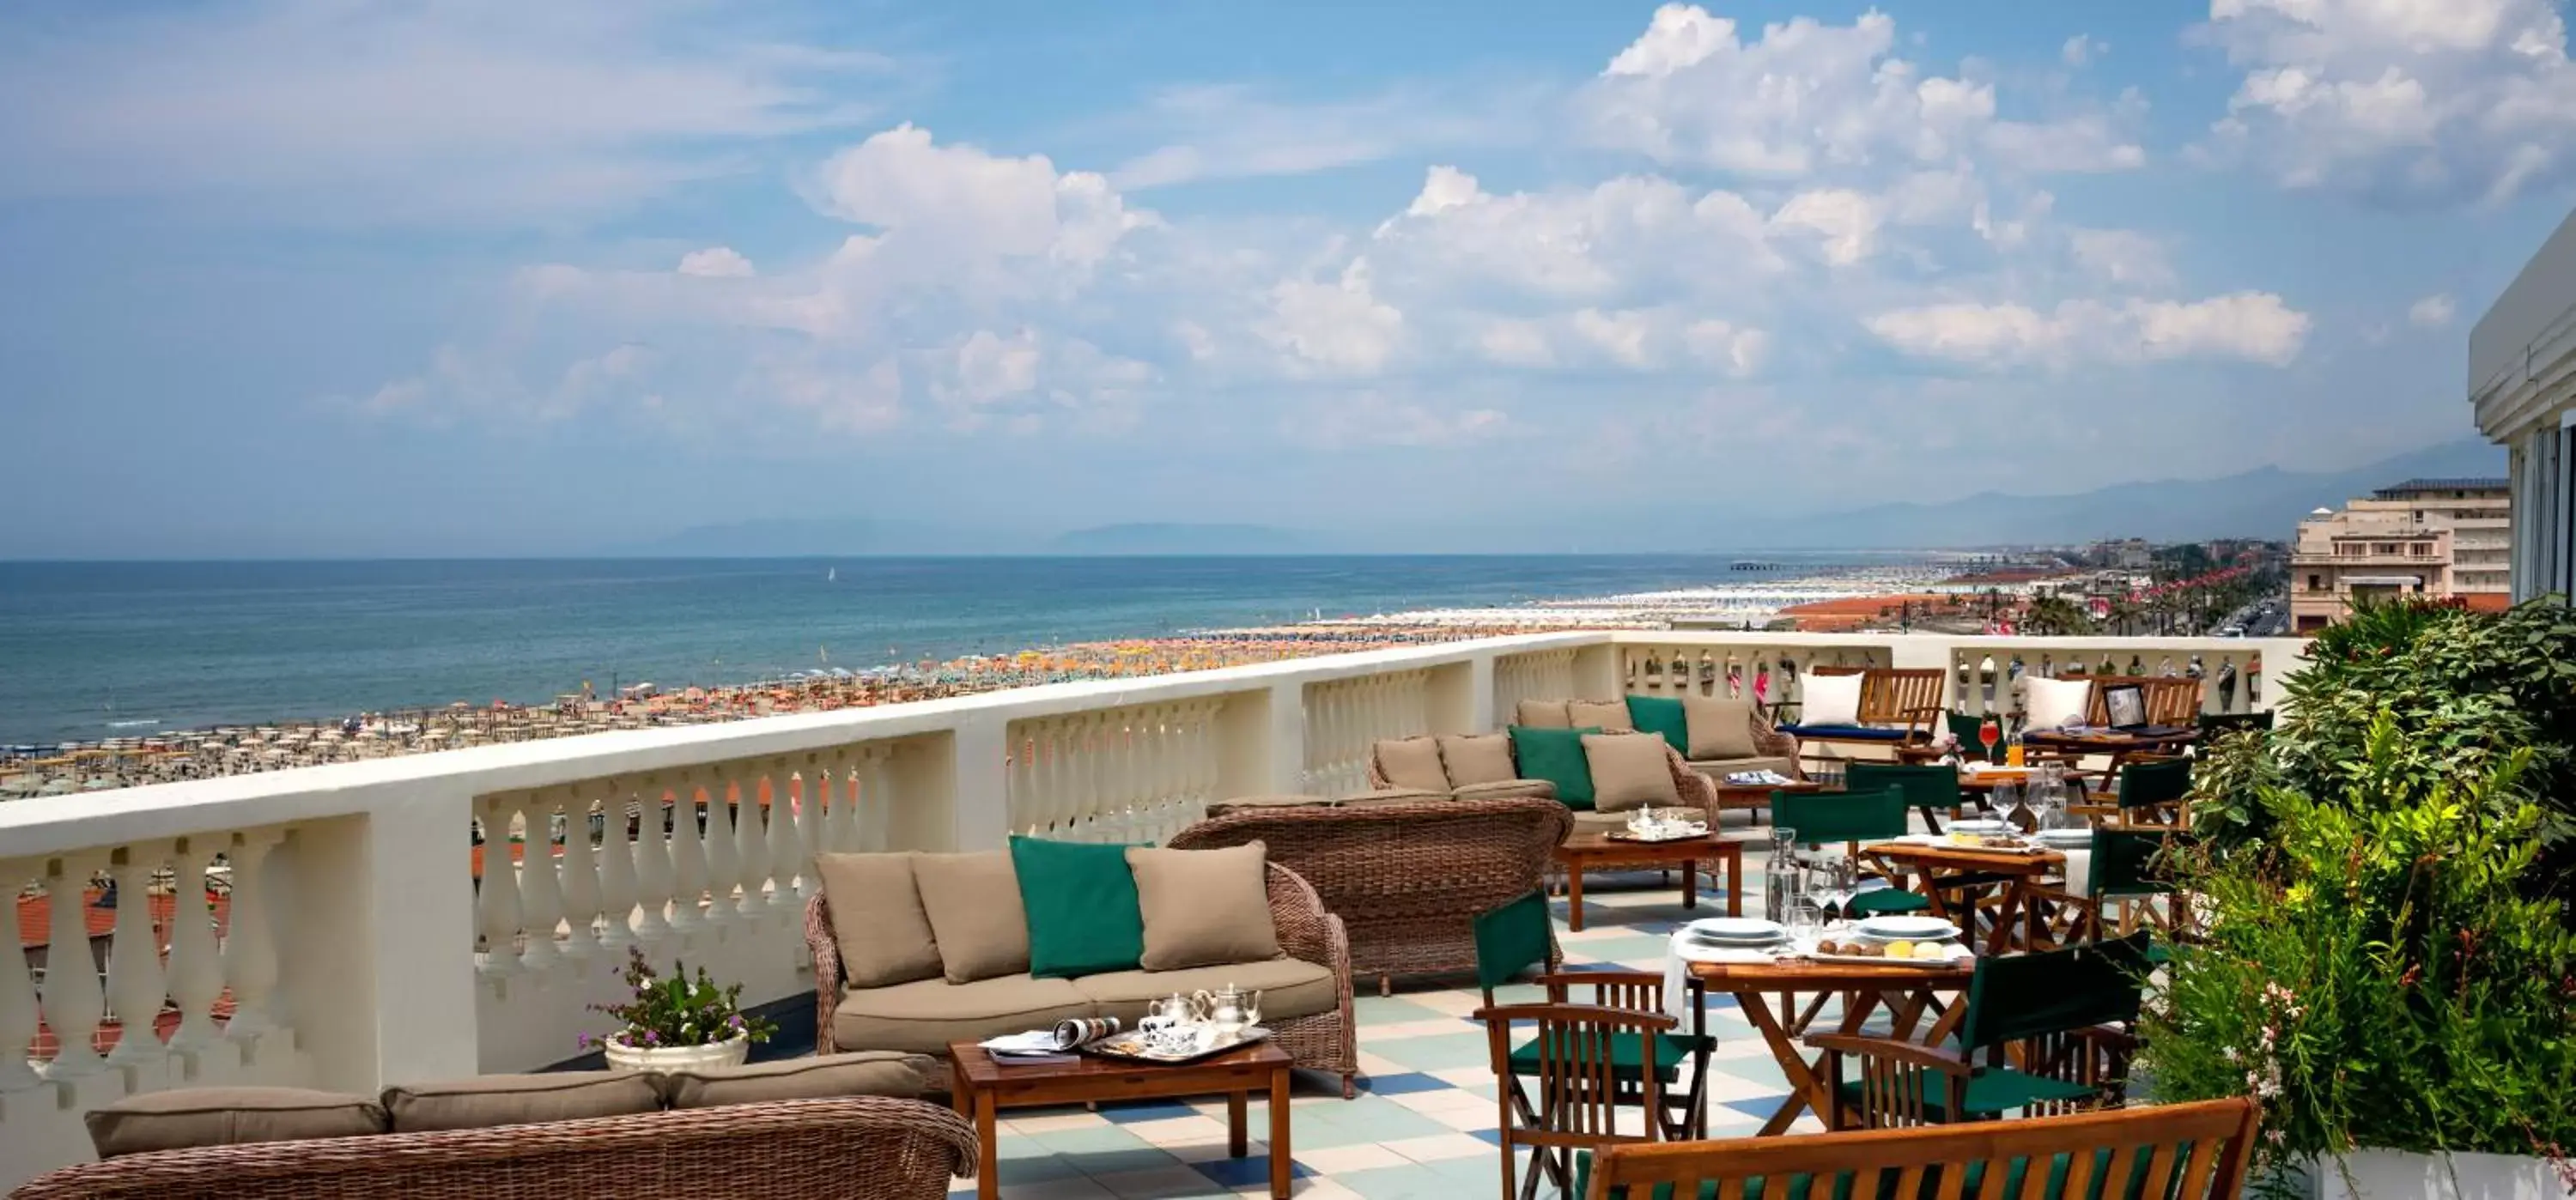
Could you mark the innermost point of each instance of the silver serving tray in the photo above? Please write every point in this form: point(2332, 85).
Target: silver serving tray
point(1129, 1047)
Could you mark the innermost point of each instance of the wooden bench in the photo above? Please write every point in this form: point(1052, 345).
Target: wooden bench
point(1895, 703)
point(2182, 1151)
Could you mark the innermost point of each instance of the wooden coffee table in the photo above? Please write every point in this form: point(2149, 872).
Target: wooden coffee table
point(1594, 850)
point(982, 1087)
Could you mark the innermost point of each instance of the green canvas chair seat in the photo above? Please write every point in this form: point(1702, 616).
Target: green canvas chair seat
point(1671, 1051)
point(2016, 1171)
point(1992, 1091)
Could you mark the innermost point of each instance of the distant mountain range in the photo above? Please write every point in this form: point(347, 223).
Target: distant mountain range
point(2264, 503)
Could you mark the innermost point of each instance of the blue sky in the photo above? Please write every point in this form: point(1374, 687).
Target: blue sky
point(308, 277)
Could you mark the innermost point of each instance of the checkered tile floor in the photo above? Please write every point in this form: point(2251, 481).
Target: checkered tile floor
point(1423, 1124)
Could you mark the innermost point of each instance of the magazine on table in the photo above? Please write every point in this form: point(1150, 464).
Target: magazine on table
point(1040, 1047)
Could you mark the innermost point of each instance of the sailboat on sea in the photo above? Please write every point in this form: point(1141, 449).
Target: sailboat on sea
point(831, 574)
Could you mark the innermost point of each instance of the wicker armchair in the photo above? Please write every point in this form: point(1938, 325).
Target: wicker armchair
point(1406, 878)
point(1308, 932)
point(857, 1148)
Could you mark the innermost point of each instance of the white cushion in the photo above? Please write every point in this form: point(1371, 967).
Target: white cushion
point(2054, 703)
point(1829, 700)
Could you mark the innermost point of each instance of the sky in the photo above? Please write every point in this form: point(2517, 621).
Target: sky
point(324, 277)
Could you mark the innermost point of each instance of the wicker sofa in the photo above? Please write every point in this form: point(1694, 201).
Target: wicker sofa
point(1306, 1002)
point(1406, 878)
point(851, 1148)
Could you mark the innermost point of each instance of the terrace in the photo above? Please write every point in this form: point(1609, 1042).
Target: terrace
point(355, 947)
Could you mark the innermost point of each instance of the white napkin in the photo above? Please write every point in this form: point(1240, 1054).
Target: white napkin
point(1682, 950)
point(2079, 870)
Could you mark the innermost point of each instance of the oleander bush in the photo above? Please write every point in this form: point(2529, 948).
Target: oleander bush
point(2383, 967)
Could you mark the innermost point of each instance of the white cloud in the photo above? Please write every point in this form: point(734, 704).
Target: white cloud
point(1591, 245)
point(2432, 312)
point(477, 110)
point(2082, 49)
point(2253, 326)
point(959, 196)
point(716, 262)
point(1233, 131)
point(2412, 102)
point(1333, 328)
point(1371, 418)
point(1847, 220)
point(1808, 97)
point(2123, 256)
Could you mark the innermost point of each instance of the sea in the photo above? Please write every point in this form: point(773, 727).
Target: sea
point(125, 649)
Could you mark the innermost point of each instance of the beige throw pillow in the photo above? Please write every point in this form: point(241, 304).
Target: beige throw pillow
point(1474, 760)
point(864, 1073)
point(488, 1100)
point(1542, 714)
point(877, 919)
point(1610, 715)
point(974, 905)
point(1720, 727)
point(228, 1116)
point(1629, 771)
point(1204, 908)
point(1412, 762)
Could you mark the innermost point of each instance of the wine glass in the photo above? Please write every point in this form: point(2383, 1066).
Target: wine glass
point(1990, 733)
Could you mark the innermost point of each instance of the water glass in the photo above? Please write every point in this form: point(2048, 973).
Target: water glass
point(1806, 921)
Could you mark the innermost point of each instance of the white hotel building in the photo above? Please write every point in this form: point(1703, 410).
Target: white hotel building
point(2522, 378)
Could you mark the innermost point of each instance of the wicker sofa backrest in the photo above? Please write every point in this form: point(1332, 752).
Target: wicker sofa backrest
point(863, 1147)
point(1402, 859)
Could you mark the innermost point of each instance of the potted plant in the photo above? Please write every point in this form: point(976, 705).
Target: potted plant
point(2385, 969)
point(676, 1023)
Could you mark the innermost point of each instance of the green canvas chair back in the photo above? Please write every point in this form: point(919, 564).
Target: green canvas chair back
point(2124, 864)
point(2018, 996)
point(2161, 782)
point(1510, 940)
point(1964, 727)
point(1932, 786)
point(1854, 816)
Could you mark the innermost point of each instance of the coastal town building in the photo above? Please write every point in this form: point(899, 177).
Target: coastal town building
point(2434, 538)
point(2522, 382)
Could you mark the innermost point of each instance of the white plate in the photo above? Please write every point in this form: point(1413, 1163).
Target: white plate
point(1980, 827)
point(2066, 837)
point(1907, 929)
point(1737, 929)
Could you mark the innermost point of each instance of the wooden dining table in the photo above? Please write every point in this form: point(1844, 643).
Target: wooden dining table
point(2015, 920)
point(1907, 992)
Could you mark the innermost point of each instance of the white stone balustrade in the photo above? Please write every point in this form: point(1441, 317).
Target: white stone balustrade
point(360, 949)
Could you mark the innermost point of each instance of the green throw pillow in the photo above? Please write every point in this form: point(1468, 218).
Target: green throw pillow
point(1556, 755)
point(1082, 909)
point(1661, 714)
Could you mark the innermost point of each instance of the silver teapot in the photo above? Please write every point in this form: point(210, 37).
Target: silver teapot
point(1230, 1008)
point(1175, 1009)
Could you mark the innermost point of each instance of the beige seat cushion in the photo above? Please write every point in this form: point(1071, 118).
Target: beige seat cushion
point(973, 901)
point(1593, 821)
point(1288, 987)
point(1718, 769)
point(1542, 714)
point(877, 919)
point(228, 1116)
point(864, 1073)
point(1412, 762)
point(488, 1100)
point(1610, 715)
point(1629, 770)
point(1508, 789)
point(1203, 906)
point(1720, 727)
point(924, 1017)
point(1469, 760)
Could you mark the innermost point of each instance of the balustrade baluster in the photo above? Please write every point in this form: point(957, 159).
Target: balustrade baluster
point(250, 942)
point(688, 856)
point(760, 805)
point(616, 855)
point(19, 1011)
point(805, 834)
point(655, 877)
point(540, 900)
point(724, 862)
point(74, 1004)
point(876, 803)
point(134, 983)
point(581, 884)
point(196, 976)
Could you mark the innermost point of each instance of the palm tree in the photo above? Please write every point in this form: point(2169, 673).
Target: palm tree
point(2056, 616)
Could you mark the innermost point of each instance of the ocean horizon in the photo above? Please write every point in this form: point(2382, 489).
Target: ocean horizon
point(102, 648)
